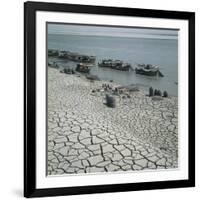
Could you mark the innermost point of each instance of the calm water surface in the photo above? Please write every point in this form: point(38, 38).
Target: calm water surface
point(162, 52)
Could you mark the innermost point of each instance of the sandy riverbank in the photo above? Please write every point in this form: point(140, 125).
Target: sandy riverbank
point(84, 135)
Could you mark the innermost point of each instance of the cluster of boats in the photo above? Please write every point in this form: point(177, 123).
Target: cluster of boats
point(85, 63)
point(72, 56)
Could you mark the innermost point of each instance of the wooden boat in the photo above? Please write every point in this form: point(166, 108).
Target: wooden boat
point(148, 70)
point(115, 64)
point(84, 68)
point(52, 52)
point(76, 57)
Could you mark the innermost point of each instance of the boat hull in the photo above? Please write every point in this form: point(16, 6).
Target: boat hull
point(83, 68)
point(147, 73)
point(116, 67)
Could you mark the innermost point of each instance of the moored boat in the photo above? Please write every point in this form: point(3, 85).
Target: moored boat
point(115, 64)
point(148, 70)
point(53, 52)
point(76, 57)
point(84, 68)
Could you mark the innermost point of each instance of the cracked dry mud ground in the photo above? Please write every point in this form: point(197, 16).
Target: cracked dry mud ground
point(84, 135)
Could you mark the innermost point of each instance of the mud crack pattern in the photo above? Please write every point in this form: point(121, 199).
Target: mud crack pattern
point(85, 136)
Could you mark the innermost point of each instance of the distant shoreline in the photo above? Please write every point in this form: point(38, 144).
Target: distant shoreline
point(107, 36)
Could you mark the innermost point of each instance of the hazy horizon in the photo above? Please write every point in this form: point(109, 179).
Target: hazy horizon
point(87, 30)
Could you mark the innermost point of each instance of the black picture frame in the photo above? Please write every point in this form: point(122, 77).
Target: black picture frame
point(30, 9)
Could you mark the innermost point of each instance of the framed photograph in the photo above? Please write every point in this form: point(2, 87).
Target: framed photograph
point(109, 99)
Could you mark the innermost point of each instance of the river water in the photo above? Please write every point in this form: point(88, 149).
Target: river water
point(161, 52)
